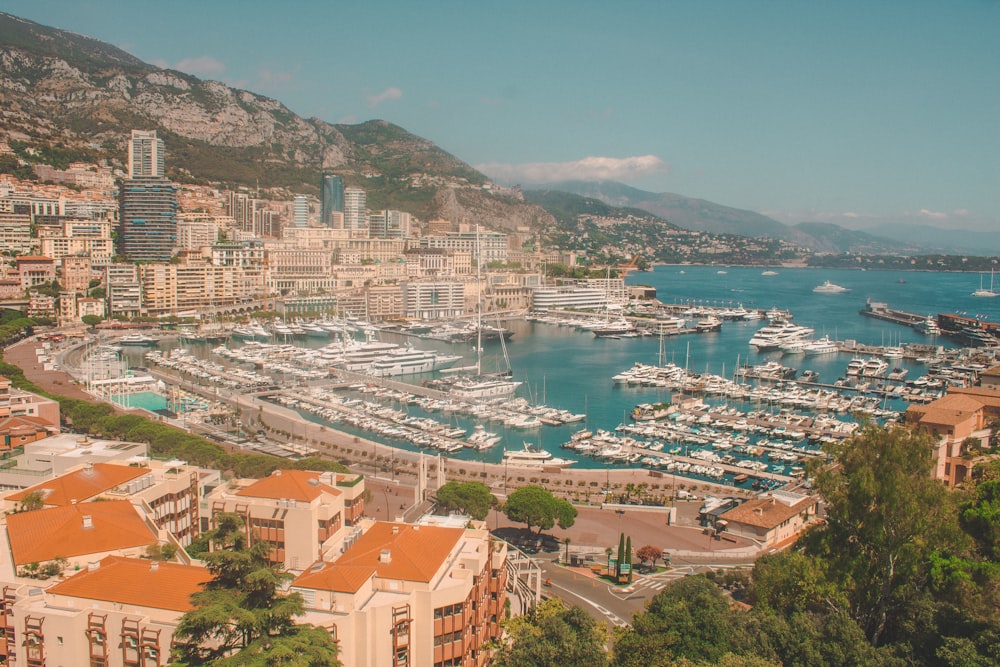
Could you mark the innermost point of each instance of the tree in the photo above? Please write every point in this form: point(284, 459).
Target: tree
point(886, 516)
point(536, 506)
point(31, 501)
point(91, 320)
point(240, 618)
point(472, 498)
point(690, 618)
point(553, 635)
point(649, 553)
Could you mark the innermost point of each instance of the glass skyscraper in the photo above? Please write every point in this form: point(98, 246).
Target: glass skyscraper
point(331, 198)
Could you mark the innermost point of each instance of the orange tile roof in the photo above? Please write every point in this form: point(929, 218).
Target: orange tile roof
point(83, 484)
point(47, 534)
point(298, 485)
point(132, 581)
point(416, 554)
point(766, 512)
point(950, 410)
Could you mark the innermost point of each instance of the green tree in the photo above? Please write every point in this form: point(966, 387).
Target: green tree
point(31, 501)
point(91, 320)
point(241, 618)
point(886, 518)
point(690, 618)
point(472, 498)
point(553, 635)
point(536, 506)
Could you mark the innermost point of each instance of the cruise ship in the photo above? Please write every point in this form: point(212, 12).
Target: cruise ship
point(409, 361)
point(774, 335)
point(532, 457)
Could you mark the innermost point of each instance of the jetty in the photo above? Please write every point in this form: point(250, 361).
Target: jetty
point(881, 311)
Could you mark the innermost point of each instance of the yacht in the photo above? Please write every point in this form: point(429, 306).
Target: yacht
point(709, 323)
point(982, 291)
point(409, 361)
point(533, 457)
point(772, 336)
point(769, 272)
point(137, 339)
point(821, 346)
point(929, 327)
point(830, 288)
point(619, 327)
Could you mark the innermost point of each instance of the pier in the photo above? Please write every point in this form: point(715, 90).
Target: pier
point(881, 311)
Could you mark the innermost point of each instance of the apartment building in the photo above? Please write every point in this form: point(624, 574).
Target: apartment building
point(124, 291)
point(115, 612)
point(433, 300)
point(302, 514)
point(15, 232)
point(486, 247)
point(73, 236)
point(169, 289)
point(75, 273)
point(434, 594)
point(961, 415)
point(35, 270)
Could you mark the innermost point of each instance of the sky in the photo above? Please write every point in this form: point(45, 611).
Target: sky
point(858, 113)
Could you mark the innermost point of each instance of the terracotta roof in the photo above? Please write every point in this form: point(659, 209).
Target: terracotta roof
point(83, 484)
point(47, 534)
point(416, 553)
point(133, 581)
point(950, 410)
point(299, 485)
point(766, 512)
point(24, 423)
point(986, 395)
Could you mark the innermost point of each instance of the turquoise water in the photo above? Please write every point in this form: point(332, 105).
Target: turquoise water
point(147, 400)
point(570, 369)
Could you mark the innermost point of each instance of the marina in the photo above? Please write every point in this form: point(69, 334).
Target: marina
point(710, 406)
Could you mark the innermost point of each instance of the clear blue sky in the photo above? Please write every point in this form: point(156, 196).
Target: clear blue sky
point(852, 112)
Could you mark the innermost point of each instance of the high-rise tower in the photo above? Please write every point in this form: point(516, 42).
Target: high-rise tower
point(331, 198)
point(145, 155)
point(355, 208)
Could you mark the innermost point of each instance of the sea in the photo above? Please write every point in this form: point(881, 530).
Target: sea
point(571, 369)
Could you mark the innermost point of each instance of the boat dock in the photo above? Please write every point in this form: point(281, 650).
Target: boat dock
point(881, 311)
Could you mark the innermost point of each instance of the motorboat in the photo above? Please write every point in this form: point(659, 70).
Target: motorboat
point(137, 339)
point(409, 361)
point(532, 457)
point(830, 288)
point(929, 327)
point(777, 333)
point(821, 346)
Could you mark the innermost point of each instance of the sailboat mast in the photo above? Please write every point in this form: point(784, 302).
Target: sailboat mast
point(479, 306)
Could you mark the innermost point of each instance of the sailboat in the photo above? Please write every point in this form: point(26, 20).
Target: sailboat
point(985, 292)
point(482, 386)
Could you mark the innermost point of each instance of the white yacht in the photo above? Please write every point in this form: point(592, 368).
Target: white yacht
point(821, 346)
point(774, 335)
point(534, 458)
point(409, 361)
point(830, 288)
point(929, 327)
point(137, 339)
point(619, 327)
point(982, 291)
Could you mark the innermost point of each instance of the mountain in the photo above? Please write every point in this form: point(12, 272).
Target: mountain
point(80, 98)
point(706, 216)
point(944, 241)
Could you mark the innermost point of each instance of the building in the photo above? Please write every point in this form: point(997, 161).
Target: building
point(959, 417)
point(771, 520)
point(433, 300)
point(293, 270)
point(74, 236)
point(389, 224)
point(124, 291)
point(115, 612)
point(15, 231)
point(147, 224)
point(331, 199)
point(302, 514)
point(403, 594)
point(485, 247)
point(145, 155)
point(76, 272)
point(35, 270)
point(300, 207)
point(355, 208)
point(576, 297)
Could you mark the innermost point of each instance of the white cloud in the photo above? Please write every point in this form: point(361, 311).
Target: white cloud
point(201, 66)
point(588, 169)
point(960, 212)
point(391, 93)
point(934, 215)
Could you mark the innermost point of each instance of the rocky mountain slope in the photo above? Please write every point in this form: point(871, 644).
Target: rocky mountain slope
point(83, 96)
